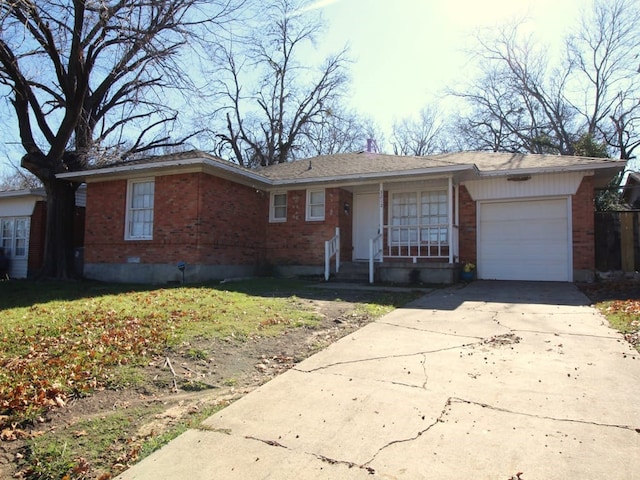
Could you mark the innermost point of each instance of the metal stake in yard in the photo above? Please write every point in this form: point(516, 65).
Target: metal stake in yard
point(182, 266)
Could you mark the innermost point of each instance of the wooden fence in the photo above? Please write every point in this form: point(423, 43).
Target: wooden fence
point(617, 241)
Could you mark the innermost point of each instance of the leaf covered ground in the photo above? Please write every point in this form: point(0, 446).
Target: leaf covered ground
point(93, 376)
point(619, 301)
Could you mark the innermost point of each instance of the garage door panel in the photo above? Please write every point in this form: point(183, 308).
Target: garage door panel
point(524, 240)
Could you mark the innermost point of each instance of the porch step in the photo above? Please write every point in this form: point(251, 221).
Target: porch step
point(352, 272)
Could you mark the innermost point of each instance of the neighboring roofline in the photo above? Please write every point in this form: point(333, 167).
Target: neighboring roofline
point(26, 192)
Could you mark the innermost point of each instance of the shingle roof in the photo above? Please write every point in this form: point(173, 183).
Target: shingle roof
point(350, 164)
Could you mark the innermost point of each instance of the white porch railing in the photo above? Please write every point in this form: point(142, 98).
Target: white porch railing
point(331, 248)
point(455, 245)
point(417, 241)
point(375, 253)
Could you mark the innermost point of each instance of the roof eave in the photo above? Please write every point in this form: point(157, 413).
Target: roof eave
point(147, 169)
point(612, 166)
point(378, 176)
point(27, 192)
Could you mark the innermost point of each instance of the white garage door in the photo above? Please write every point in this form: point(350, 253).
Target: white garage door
point(524, 240)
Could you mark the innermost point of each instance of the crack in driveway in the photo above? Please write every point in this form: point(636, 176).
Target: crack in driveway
point(542, 417)
point(324, 458)
point(384, 357)
point(452, 400)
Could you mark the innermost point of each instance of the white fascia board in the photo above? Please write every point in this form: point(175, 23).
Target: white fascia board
point(35, 192)
point(127, 169)
point(551, 169)
point(146, 169)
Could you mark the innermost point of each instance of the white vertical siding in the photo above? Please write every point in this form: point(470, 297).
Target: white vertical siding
point(537, 186)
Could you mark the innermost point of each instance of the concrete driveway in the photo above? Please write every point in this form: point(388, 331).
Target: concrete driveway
point(496, 380)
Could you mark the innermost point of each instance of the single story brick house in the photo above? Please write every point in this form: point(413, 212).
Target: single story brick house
point(22, 228)
point(517, 217)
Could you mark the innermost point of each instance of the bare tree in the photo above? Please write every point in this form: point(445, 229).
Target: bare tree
point(421, 136)
point(604, 51)
point(80, 74)
point(18, 179)
point(337, 132)
point(522, 102)
point(273, 98)
point(519, 100)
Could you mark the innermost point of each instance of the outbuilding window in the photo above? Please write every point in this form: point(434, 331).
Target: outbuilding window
point(14, 236)
point(139, 217)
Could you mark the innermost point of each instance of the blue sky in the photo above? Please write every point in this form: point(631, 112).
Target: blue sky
point(406, 52)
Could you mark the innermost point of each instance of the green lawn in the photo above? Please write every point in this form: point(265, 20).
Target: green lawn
point(61, 340)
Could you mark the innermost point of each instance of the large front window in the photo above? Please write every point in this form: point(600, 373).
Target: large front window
point(419, 217)
point(140, 199)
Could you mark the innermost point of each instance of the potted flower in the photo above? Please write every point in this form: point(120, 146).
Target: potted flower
point(468, 272)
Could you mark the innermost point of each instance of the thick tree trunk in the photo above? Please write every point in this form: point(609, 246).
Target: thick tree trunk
point(59, 238)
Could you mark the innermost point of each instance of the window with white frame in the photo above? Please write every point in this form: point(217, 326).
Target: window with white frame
point(315, 205)
point(139, 216)
point(14, 236)
point(435, 215)
point(404, 216)
point(419, 216)
point(278, 208)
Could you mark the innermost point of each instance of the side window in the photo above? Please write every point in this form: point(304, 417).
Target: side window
point(278, 207)
point(6, 235)
point(14, 236)
point(315, 205)
point(139, 215)
point(21, 237)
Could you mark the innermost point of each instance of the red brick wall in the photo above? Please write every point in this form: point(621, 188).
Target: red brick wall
point(198, 218)
point(232, 219)
point(104, 232)
point(298, 242)
point(468, 227)
point(583, 226)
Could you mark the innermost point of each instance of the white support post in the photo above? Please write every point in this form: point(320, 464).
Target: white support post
point(371, 266)
point(331, 248)
point(327, 259)
point(450, 203)
point(337, 247)
point(381, 205)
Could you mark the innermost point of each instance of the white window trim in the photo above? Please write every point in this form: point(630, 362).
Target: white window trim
point(309, 217)
point(130, 184)
point(14, 237)
point(272, 208)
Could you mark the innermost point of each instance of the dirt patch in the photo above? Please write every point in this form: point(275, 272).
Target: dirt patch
point(194, 377)
point(611, 290)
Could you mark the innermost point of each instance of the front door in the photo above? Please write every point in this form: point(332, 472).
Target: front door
point(366, 221)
